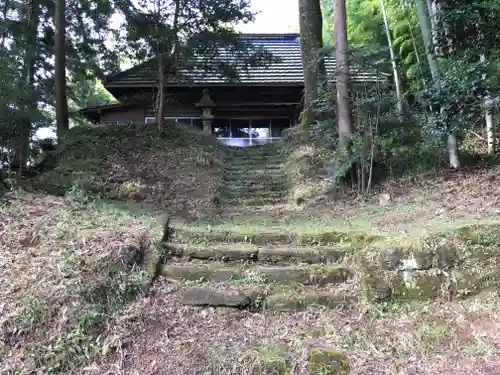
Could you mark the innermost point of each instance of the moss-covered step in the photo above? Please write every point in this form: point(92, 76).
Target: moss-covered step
point(318, 238)
point(255, 201)
point(207, 296)
point(311, 255)
point(293, 301)
point(462, 282)
point(223, 252)
point(392, 258)
point(201, 272)
point(247, 196)
point(248, 252)
point(307, 275)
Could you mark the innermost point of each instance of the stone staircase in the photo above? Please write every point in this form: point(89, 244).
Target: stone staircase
point(259, 273)
point(288, 271)
point(254, 176)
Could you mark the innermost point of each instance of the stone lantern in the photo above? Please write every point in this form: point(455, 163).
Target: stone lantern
point(206, 104)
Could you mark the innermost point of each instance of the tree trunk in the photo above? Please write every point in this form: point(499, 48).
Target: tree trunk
point(62, 117)
point(5, 11)
point(397, 81)
point(160, 94)
point(311, 40)
point(490, 129)
point(172, 43)
point(27, 101)
point(342, 83)
point(425, 27)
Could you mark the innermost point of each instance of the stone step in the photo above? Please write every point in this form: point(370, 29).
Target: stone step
point(255, 153)
point(216, 297)
point(213, 272)
point(309, 238)
point(264, 194)
point(250, 170)
point(255, 187)
point(255, 179)
point(267, 255)
point(257, 161)
point(261, 300)
point(255, 202)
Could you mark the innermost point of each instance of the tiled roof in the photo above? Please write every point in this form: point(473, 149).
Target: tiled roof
point(287, 70)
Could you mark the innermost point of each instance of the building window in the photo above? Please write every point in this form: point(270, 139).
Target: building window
point(243, 132)
point(116, 122)
point(192, 121)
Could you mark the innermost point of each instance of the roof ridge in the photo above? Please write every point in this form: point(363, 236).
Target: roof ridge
point(269, 36)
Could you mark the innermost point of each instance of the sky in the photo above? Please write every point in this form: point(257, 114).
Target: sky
point(274, 16)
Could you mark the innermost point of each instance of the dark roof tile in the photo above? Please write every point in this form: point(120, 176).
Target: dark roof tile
point(286, 70)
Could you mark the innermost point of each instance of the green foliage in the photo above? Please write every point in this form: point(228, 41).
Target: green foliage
point(385, 145)
point(456, 98)
point(178, 32)
point(366, 31)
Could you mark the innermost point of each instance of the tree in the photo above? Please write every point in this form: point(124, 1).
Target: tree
point(28, 38)
point(397, 81)
point(27, 102)
point(471, 38)
point(62, 118)
point(426, 29)
point(344, 117)
point(311, 40)
point(173, 34)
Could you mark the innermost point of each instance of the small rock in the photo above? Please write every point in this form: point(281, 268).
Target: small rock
point(327, 361)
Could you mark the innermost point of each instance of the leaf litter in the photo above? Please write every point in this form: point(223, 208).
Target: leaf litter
point(56, 255)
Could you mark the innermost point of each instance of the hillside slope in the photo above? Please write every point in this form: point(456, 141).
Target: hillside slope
point(177, 172)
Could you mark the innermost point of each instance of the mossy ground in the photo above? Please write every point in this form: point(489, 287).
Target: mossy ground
point(177, 172)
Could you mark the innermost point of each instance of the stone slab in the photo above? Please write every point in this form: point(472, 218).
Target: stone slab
point(195, 272)
point(300, 254)
point(307, 275)
point(197, 296)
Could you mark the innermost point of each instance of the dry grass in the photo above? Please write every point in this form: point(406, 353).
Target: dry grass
point(68, 307)
point(62, 283)
point(420, 338)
